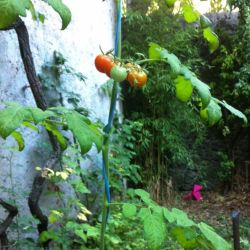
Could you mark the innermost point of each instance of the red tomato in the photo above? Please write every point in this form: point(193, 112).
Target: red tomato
point(104, 63)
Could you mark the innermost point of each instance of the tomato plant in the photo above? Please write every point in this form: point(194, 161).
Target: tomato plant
point(104, 64)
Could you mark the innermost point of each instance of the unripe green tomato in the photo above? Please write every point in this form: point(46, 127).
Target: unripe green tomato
point(118, 73)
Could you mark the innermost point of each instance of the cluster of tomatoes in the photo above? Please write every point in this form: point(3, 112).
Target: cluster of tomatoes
point(118, 72)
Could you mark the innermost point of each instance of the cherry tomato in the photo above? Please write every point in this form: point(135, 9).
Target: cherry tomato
point(104, 63)
point(136, 76)
point(118, 73)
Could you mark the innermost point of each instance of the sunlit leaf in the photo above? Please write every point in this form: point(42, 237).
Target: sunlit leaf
point(154, 51)
point(62, 10)
point(11, 9)
point(212, 39)
point(184, 89)
point(190, 14)
point(170, 3)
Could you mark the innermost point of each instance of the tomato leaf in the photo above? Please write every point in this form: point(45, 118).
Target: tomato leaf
point(62, 10)
point(154, 230)
point(14, 115)
point(218, 242)
point(185, 236)
point(184, 89)
point(212, 39)
point(203, 91)
point(190, 14)
point(205, 22)
point(84, 131)
point(11, 9)
point(154, 51)
point(173, 61)
point(168, 215)
point(181, 218)
point(233, 110)
point(19, 139)
point(53, 129)
point(129, 210)
point(214, 113)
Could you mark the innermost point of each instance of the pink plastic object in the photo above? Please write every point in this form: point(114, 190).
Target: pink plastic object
point(195, 194)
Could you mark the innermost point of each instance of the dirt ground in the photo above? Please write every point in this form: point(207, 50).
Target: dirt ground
point(216, 210)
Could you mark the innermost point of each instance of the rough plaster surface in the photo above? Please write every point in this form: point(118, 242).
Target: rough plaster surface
point(92, 25)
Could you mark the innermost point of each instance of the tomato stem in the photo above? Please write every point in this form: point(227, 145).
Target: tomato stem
point(150, 60)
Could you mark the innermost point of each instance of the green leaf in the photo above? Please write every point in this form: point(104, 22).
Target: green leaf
point(129, 210)
point(190, 14)
point(205, 22)
point(213, 112)
point(154, 51)
point(204, 114)
point(173, 61)
point(212, 39)
point(233, 110)
point(170, 3)
point(218, 242)
point(184, 88)
point(80, 187)
point(84, 131)
point(48, 235)
point(14, 115)
point(168, 215)
point(203, 91)
point(58, 135)
point(30, 125)
point(62, 10)
point(154, 230)
point(11, 9)
point(143, 213)
point(19, 139)
point(182, 218)
point(55, 216)
point(81, 234)
point(145, 196)
point(185, 236)
point(188, 74)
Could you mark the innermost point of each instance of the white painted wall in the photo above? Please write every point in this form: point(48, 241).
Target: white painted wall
point(92, 25)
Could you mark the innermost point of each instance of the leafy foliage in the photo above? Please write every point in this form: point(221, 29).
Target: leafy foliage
point(14, 115)
point(10, 10)
point(214, 113)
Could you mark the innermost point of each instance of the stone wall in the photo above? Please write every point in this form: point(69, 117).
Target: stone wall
point(93, 23)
